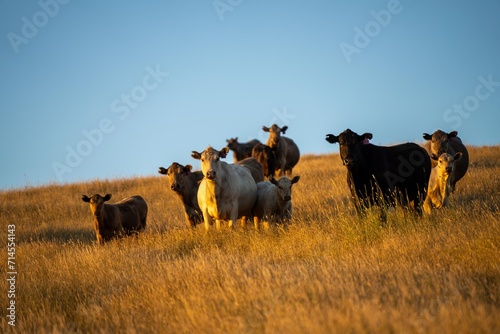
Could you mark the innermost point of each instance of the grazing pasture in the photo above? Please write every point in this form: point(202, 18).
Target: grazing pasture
point(330, 271)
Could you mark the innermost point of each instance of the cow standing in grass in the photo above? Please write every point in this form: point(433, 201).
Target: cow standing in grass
point(380, 175)
point(126, 217)
point(274, 201)
point(241, 150)
point(265, 155)
point(441, 142)
point(227, 192)
point(185, 183)
point(286, 152)
point(439, 181)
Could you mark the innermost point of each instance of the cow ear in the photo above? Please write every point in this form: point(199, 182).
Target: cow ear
point(283, 129)
point(295, 179)
point(162, 171)
point(427, 136)
point(273, 181)
point(187, 169)
point(223, 152)
point(265, 128)
point(196, 155)
point(367, 135)
point(85, 198)
point(452, 134)
point(107, 197)
point(332, 139)
point(457, 156)
point(434, 157)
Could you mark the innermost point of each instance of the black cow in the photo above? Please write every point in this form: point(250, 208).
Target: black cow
point(383, 176)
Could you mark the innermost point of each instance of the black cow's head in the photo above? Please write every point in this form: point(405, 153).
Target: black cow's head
point(349, 142)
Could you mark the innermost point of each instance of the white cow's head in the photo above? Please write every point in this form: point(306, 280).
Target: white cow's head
point(446, 163)
point(210, 161)
point(284, 186)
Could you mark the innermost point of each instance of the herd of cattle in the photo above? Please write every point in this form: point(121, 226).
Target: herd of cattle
point(407, 174)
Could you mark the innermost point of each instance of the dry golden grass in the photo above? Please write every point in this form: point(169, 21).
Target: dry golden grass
point(329, 272)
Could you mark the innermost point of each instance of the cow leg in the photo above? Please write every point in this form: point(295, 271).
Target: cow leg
point(428, 205)
point(417, 206)
point(207, 219)
point(217, 224)
point(233, 216)
point(256, 222)
point(244, 221)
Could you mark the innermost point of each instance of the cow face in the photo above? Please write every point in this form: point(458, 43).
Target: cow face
point(349, 143)
point(284, 186)
point(96, 202)
point(233, 143)
point(274, 135)
point(439, 141)
point(177, 174)
point(210, 161)
point(446, 163)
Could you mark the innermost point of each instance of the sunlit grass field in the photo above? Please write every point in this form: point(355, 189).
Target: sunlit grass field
point(328, 272)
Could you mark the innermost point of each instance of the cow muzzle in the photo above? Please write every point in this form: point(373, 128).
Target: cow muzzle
point(449, 170)
point(175, 187)
point(287, 198)
point(211, 175)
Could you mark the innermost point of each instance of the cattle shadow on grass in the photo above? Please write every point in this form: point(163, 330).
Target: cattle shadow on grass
point(83, 236)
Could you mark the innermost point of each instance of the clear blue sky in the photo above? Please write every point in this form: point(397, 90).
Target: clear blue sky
point(158, 79)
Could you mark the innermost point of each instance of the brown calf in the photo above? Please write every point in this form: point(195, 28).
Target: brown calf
point(115, 220)
point(185, 183)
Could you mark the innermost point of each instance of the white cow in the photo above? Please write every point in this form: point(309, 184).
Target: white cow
point(227, 192)
point(274, 200)
point(439, 188)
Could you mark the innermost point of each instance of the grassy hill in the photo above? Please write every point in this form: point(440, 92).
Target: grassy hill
point(329, 272)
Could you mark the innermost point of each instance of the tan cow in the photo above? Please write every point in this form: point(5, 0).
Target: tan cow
point(440, 181)
point(441, 142)
point(285, 150)
point(274, 201)
point(241, 150)
point(185, 183)
point(126, 217)
point(227, 192)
